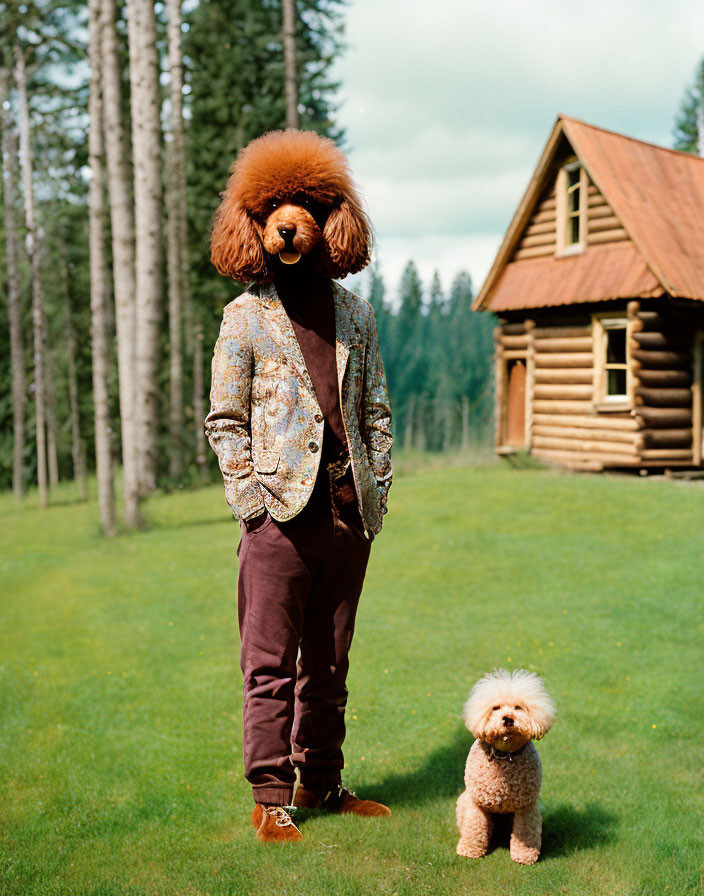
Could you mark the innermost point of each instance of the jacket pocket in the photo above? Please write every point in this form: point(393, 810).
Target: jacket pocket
point(266, 462)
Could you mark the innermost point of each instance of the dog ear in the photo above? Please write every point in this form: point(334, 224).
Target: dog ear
point(235, 247)
point(542, 715)
point(347, 239)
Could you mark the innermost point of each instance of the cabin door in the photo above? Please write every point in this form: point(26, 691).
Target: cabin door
point(516, 405)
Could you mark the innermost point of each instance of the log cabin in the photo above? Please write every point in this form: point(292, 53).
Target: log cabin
point(599, 291)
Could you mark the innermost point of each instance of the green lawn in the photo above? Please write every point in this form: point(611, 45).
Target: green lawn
point(120, 762)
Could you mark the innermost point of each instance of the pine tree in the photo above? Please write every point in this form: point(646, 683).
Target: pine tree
point(689, 123)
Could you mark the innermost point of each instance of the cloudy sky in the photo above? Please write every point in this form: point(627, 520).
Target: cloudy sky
point(447, 105)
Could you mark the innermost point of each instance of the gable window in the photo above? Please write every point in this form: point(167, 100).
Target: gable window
point(611, 361)
point(571, 208)
point(574, 196)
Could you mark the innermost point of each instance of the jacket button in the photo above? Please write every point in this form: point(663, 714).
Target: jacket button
point(313, 446)
point(318, 418)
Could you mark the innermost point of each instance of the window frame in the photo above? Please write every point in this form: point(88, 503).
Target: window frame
point(563, 216)
point(601, 324)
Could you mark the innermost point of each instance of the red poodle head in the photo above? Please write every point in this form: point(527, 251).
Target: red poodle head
point(290, 194)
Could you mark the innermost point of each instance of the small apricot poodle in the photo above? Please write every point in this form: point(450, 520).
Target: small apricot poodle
point(505, 712)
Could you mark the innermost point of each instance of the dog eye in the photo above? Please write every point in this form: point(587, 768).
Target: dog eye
point(274, 204)
point(518, 708)
point(495, 708)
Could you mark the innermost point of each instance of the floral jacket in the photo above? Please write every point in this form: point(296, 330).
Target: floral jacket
point(265, 424)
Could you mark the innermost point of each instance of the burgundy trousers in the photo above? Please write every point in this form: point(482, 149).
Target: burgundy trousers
point(298, 590)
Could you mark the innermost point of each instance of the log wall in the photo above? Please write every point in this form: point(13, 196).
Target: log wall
point(564, 425)
point(566, 430)
point(661, 344)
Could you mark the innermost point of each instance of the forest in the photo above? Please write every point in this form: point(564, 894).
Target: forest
point(119, 121)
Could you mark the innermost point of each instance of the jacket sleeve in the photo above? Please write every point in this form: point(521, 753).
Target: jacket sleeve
point(227, 425)
point(377, 413)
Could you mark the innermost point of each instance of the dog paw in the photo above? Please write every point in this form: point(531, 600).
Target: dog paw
point(470, 850)
point(526, 856)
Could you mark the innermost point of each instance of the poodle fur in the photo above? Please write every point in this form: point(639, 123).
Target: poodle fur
point(505, 712)
point(290, 194)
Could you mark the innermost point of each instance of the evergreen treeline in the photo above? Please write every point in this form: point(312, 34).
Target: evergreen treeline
point(438, 359)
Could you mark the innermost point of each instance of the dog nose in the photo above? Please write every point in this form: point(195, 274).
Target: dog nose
point(508, 721)
point(286, 231)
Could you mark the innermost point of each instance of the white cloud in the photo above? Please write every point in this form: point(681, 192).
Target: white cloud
point(447, 106)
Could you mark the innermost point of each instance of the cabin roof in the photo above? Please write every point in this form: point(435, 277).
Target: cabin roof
point(657, 194)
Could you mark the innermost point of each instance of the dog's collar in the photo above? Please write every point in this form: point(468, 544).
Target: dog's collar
point(501, 755)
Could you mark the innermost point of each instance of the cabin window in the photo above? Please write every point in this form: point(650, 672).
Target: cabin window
point(611, 361)
point(571, 208)
point(574, 196)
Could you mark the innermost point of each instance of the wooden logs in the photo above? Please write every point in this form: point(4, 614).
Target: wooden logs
point(667, 379)
point(657, 320)
point(664, 418)
point(565, 359)
point(569, 391)
point(582, 461)
point(584, 433)
point(606, 421)
point(534, 252)
point(512, 329)
point(573, 344)
point(564, 375)
point(614, 235)
point(667, 438)
point(665, 359)
point(663, 398)
point(561, 407)
point(512, 342)
point(561, 332)
point(587, 447)
point(667, 455)
point(538, 239)
point(667, 340)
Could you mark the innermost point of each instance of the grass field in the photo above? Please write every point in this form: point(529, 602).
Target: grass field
point(120, 752)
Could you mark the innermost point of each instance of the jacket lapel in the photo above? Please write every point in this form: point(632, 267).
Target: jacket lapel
point(346, 334)
point(280, 328)
point(281, 331)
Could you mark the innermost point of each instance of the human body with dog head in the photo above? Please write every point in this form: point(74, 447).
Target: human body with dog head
point(300, 422)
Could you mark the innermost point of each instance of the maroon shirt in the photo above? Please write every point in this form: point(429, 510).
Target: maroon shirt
point(312, 314)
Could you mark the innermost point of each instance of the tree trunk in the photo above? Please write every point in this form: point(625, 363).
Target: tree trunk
point(146, 152)
point(177, 244)
point(100, 351)
point(123, 256)
point(77, 452)
point(19, 385)
point(37, 293)
point(290, 66)
point(52, 428)
point(199, 402)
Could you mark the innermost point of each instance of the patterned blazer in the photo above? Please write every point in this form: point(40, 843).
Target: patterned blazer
point(265, 424)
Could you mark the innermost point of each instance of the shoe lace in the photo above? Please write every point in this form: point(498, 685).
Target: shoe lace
point(339, 793)
point(280, 814)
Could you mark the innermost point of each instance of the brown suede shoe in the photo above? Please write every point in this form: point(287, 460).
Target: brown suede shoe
point(340, 800)
point(273, 824)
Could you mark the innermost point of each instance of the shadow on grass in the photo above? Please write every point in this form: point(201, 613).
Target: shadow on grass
point(440, 776)
point(565, 829)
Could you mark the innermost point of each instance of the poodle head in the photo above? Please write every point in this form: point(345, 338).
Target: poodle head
point(507, 709)
point(290, 195)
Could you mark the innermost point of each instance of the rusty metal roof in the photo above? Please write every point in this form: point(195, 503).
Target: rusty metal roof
point(601, 273)
point(657, 194)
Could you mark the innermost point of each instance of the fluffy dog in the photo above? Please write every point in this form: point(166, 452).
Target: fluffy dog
point(505, 712)
point(290, 197)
